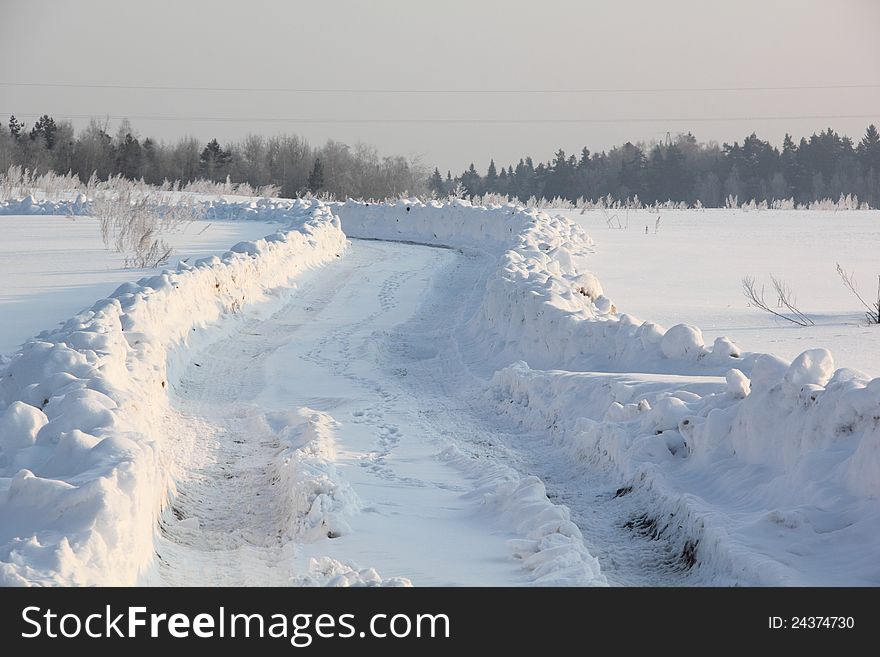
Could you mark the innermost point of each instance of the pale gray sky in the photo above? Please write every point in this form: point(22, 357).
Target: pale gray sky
point(448, 44)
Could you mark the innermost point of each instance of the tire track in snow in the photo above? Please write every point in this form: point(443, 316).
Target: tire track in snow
point(409, 391)
point(226, 523)
point(443, 360)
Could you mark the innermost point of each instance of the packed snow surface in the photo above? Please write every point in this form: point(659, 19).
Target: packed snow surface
point(417, 393)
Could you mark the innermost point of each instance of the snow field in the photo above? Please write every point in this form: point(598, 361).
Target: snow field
point(691, 271)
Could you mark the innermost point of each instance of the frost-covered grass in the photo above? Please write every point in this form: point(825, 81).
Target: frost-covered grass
point(18, 182)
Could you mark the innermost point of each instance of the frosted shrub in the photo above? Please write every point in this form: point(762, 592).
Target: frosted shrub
point(227, 188)
point(786, 305)
point(135, 226)
point(849, 281)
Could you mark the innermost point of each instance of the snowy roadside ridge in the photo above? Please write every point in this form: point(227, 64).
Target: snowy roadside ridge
point(551, 547)
point(258, 209)
point(791, 455)
point(542, 305)
point(78, 206)
point(317, 499)
point(82, 472)
point(331, 573)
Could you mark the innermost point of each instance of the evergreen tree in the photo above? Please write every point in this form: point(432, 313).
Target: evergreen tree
point(15, 127)
point(44, 129)
point(559, 179)
point(435, 184)
point(869, 148)
point(584, 161)
point(631, 173)
point(791, 167)
point(151, 166)
point(214, 161)
point(491, 182)
point(523, 184)
point(130, 157)
point(471, 181)
point(316, 177)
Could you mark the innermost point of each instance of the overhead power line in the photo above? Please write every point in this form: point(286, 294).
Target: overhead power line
point(464, 120)
point(349, 90)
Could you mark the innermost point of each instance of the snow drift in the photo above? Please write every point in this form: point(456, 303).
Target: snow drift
point(773, 485)
point(551, 547)
point(317, 498)
point(82, 477)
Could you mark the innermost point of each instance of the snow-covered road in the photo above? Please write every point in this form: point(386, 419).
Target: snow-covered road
point(330, 348)
point(372, 345)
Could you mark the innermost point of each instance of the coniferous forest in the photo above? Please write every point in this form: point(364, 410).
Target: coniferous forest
point(821, 166)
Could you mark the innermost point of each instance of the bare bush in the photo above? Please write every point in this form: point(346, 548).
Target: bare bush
point(848, 278)
point(785, 300)
point(136, 226)
point(227, 188)
point(613, 221)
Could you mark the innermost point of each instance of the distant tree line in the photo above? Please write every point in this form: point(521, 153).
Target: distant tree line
point(825, 165)
point(680, 169)
point(287, 162)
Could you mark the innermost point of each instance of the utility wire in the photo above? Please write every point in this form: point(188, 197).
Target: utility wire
point(464, 120)
point(597, 90)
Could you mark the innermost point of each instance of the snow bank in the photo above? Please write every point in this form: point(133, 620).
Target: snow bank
point(261, 209)
point(540, 303)
point(324, 571)
point(30, 205)
point(727, 469)
point(457, 224)
point(82, 476)
point(317, 498)
point(551, 547)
